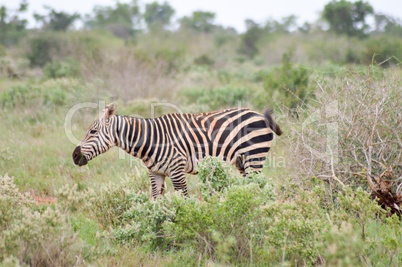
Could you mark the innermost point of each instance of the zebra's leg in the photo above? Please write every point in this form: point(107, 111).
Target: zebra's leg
point(240, 165)
point(178, 178)
point(254, 164)
point(157, 183)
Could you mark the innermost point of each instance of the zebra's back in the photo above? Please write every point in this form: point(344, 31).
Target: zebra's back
point(236, 135)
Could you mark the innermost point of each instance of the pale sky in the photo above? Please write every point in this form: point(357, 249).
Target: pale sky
point(228, 12)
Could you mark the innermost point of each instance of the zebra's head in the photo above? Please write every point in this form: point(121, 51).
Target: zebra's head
point(98, 138)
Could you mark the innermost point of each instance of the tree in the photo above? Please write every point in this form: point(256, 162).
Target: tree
point(388, 25)
point(199, 21)
point(122, 19)
point(12, 26)
point(286, 25)
point(348, 18)
point(56, 21)
point(249, 40)
point(157, 16)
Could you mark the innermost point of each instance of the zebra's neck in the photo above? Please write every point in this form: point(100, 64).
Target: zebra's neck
point(134, 135)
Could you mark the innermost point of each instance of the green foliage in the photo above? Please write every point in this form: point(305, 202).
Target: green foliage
point(142, 221)
point(227, 228)
point(31, 235)
point(49, 94)
point(393, 28)
point(388, 25)
point(216, 179)
point(295, 229)
point(218, 97)
point(204, 60)
point(61, 69)
point(357, 207)
point(348, 18)
point(385, 51)
point(286, 25)
point(199, 21)
point(41, 49)
point(19, 96)
point(292, 81)
point(250, 38)
point(246, 224)
point(56, 21)
point(172, 59)
point(214, 176)
point(121, 20)
point(12, 26)
point(158, 15)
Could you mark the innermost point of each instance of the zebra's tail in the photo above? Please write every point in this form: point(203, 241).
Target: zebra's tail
point(271, 123)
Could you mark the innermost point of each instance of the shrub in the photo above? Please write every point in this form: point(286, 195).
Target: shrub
point(108, 203)
point(41, 49)
point(291, 81)
point(60, 69)
point(226, 227)
point(217, 98)
point(357, 208)
point(51, 93)
point(31, 235)
point(223, 226)
point(295, 228)
point(20, 96)
point(172, 60)
point(385, 51)
point(142, 222)
point(204, 60)
point(214, 176)
point(349, 136)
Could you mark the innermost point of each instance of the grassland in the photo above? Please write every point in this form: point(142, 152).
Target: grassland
point(303, 210)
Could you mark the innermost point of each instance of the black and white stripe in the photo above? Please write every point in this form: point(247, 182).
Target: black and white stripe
point(172, 145)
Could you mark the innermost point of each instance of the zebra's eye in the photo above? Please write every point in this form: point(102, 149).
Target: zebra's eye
point(93, 131)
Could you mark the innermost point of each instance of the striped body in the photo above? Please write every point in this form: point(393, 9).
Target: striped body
point(173, 144)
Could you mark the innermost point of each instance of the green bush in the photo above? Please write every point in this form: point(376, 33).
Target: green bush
point(359, 230)
point(142, 222)
point(172, 59)
point(52, 93)
point(245, 224)
point(220, 97)
point(222, 226)
point(295, 228)
point(204, 60)
point(214, 176)
point(31, 235)
point(110, 204)
point(291, 81)
point(60, 69)
point(216, 179)
point(226, 228)
point(386, 51)
point(41, 49)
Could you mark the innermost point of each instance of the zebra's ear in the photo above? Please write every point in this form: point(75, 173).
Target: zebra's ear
point(108, 112)
point(110, 109)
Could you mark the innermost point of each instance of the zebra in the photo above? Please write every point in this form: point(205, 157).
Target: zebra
point(173, 144)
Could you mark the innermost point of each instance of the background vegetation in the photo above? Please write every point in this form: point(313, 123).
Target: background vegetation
point(331, 190)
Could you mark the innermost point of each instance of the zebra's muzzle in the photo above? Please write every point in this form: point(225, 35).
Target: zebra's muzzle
point(78, 158)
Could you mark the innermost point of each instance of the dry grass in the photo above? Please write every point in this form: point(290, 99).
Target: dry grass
point(350, 135)
point(127, 75)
